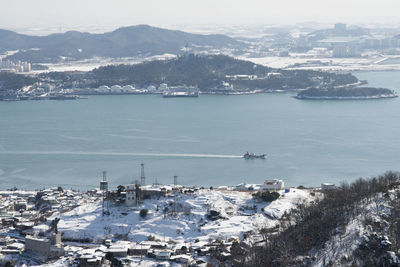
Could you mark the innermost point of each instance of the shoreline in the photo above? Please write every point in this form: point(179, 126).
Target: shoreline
point(345, 98)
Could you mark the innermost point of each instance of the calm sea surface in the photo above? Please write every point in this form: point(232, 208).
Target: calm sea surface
point(69, 143)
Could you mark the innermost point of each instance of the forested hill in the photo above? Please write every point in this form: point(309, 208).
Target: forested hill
point(133, 41)
point(215, 71)
point(346, 93)
point(215, 74)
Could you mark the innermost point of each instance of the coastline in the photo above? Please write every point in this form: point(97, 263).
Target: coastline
point(345, 98)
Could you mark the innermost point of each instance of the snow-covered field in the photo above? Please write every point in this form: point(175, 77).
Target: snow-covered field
point(343, 244)
point(378, 62)
point(239, 214)
point(330, 64)
point(90, 64)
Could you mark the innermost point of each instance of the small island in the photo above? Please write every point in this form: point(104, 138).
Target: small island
point(346, 93)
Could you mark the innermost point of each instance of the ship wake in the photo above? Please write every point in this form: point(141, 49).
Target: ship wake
point(134, 154)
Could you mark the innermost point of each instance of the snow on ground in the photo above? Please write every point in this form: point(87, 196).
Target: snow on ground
point(90, 64)
point(239, 212)
point(371, 63)
point(347, 241)
point(294, 61)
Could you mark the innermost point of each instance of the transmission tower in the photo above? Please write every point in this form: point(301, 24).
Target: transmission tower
point(142, 177)
point(104, 188)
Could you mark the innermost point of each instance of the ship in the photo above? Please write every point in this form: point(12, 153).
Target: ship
point(63, 97)
point(248, 155)
point(181, 91)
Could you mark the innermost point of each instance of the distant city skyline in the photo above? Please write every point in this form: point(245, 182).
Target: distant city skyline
point(73, 13)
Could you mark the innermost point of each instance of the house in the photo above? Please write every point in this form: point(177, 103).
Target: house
point(131, 195)
point(203, 251)
point(328, 186)
point(154, 191)
point(154, 244)
point(138, 249)
point(118, 251)
point(48, 247)
point(16, 246)
point(8, 251)
point(183, 258)
point(20, 204)
point(91, 258)
point(275, 184)
point(163, 255)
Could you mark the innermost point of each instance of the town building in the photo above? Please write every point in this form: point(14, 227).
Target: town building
point(328, 186)
point(275, 184)
point(50, 247)
point(131, 195)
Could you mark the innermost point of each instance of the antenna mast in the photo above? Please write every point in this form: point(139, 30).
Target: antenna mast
point(104, 188)
point(142, 177)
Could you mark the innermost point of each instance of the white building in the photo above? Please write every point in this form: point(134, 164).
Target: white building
point(275, 184)
point(151, 88)
point(48, 247)
point(163, 87)
point(128, 89)
point(131, 199)
point(328, 186)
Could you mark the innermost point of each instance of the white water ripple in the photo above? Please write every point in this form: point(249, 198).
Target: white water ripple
point(92, 153)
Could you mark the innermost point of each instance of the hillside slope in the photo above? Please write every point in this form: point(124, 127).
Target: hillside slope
point(140, 40)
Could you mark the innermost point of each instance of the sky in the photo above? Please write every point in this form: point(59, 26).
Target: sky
point(66, 13)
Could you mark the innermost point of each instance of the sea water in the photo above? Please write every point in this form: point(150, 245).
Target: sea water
point(201, 140)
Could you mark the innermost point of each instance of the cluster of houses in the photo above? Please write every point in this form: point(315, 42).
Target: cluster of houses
point(27, 232)
point(130, 252)
point(24, 214)
point(130, 89)
point(28, 236)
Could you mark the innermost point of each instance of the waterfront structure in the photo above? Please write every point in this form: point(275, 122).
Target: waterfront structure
point(163, 87)
point(128, 89)
point(181, 91)
point(103, 89)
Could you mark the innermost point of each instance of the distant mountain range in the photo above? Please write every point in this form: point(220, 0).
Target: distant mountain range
point(141, 40)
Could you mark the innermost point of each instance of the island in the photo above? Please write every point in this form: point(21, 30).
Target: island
point(346, 93)
point(209, 74)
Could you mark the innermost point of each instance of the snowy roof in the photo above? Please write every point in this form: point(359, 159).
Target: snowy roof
point(154, 243)
point(138, 246)
point(118, 248)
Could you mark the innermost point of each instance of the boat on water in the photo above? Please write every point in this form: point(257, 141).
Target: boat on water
point(63, 97)
point(248, 155)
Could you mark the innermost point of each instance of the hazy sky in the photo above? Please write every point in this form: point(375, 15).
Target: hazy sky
point(28, 13)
